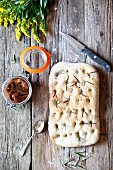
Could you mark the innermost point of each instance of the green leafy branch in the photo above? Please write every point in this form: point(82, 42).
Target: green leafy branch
point(26, 14)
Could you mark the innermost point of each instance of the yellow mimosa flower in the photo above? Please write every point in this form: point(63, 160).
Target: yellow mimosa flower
point(2, 10)
point(11, 19)
point(42, 27)
point(25, 31)
point(18, 33)
point(35, 35)
point(5, 22)
point(1, 20)
point(18, 21)
point(22, 2)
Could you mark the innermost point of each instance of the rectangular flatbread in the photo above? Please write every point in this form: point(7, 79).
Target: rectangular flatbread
point(74, 104)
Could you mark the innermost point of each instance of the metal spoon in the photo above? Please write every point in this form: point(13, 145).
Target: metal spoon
point(37, 128)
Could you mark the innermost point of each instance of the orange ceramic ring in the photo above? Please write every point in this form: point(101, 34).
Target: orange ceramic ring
point(39, 70)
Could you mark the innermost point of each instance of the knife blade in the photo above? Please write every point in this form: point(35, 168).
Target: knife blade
point(85, 50)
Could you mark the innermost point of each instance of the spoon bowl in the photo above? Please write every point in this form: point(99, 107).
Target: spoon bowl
point(38, 126)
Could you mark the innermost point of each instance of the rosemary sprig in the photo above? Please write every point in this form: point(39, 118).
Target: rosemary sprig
point(57, 103)
point(91, 73)
point(85, 58)
point(13, 60)
point(82, 93)
point(79, 153)
point(67, 100)
point(84, 113)
point(91, 123)
point(54, 94)
point(81, 166)
point(76, 79)
point(67, 82)
point(103, 134)
point(20, 106)
point(85, 158)
point(61, 72)
point(73, 165)
point(89, 82)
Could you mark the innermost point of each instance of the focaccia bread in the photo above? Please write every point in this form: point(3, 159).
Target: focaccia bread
point(74, 104)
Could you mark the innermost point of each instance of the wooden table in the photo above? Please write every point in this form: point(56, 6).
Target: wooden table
point(91, 22)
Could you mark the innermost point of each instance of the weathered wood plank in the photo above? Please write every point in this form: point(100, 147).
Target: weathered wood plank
point(48, 155)
point(3, 146)
point(15, 124)
point(110, 98)
point(75, 17)
point(41, 147)
point(97, 38)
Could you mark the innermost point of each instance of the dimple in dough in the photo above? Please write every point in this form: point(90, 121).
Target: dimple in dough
point(74, 104)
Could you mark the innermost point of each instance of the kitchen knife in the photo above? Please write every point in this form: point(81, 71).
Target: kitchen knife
point(85, 50)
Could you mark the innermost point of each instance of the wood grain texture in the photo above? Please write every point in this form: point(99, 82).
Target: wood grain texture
point(91, 22)
point(97, 38)
point(15, 125)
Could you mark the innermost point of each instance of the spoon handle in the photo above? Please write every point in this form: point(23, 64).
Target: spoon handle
point(21, 153)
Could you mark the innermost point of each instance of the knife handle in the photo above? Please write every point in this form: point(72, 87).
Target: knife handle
point(97, 59)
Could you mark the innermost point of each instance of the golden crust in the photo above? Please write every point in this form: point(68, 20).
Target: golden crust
point(74, 104)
